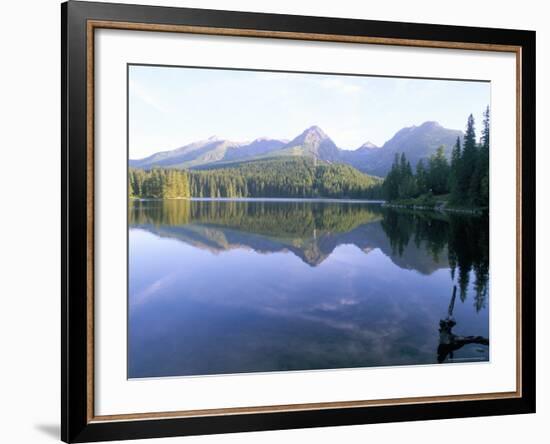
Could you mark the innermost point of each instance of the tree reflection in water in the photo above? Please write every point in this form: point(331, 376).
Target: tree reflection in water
point(462, 241)
point(448, 341)
point(397, 302)
point(465, 237)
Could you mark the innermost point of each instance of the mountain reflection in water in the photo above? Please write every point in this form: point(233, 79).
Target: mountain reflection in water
point(271, 285)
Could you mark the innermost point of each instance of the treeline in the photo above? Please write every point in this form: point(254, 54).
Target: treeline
point(158, 183)
point(284, 177)
point(465, 178)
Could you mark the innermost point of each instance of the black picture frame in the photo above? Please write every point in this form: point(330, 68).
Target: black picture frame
point(76, 325)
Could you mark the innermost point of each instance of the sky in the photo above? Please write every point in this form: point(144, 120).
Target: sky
point(172, 106)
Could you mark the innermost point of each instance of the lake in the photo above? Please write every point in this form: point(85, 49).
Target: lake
point(259, 285)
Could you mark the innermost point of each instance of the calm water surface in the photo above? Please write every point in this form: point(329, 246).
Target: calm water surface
point(255, 286)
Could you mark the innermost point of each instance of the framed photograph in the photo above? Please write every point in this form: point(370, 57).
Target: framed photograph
point(275, 221)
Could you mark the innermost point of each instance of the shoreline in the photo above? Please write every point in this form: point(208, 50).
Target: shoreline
point(441, 207)
point(437, 208)
point(263, 199)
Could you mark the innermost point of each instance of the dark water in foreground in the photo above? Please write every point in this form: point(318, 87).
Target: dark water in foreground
point(230, 287)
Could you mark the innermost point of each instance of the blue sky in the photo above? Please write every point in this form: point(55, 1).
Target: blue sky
point(171, 106)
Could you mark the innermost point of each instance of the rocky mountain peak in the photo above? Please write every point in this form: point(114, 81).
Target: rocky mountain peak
point(368, 146)
point(313, 134)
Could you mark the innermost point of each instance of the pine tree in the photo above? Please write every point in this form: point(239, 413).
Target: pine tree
point(479, 184)
point(468, 163)
point(391, 184)
point(484, 160)
point(404, 166)
point(407, 186)
point(421, 177)
point(454, 177)
point(438, 175)
point(486, 129)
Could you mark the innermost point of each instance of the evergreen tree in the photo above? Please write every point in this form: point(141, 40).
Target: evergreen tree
point(483, 163)
point(454, 177)
point(407, 184)
point(393, 179)
point(438, 176)
point(467, 182)
point(466, 177)
point(479, 185)
point(421, 177)
point(404, 166)
point(486, 129)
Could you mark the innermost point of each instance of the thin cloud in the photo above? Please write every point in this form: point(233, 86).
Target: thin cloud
point(340, 85)
point(143, 94)
point(152, 290)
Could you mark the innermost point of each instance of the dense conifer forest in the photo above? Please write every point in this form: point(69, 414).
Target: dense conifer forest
point(280, 177)
point(465, 179)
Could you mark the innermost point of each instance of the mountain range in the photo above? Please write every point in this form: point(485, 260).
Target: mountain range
point(417, 142)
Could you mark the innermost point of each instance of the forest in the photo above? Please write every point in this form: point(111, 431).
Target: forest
point(462, 181)
point(280, 177)
point(465, 179)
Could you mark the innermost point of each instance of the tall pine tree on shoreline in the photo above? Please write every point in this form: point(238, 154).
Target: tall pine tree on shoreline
point(465, 178)
point(456, 159)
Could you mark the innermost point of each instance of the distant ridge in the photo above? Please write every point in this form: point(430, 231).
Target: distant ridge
point(417, 142)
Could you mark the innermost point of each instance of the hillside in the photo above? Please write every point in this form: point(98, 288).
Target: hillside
point(275, 177)
point(208, 151)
